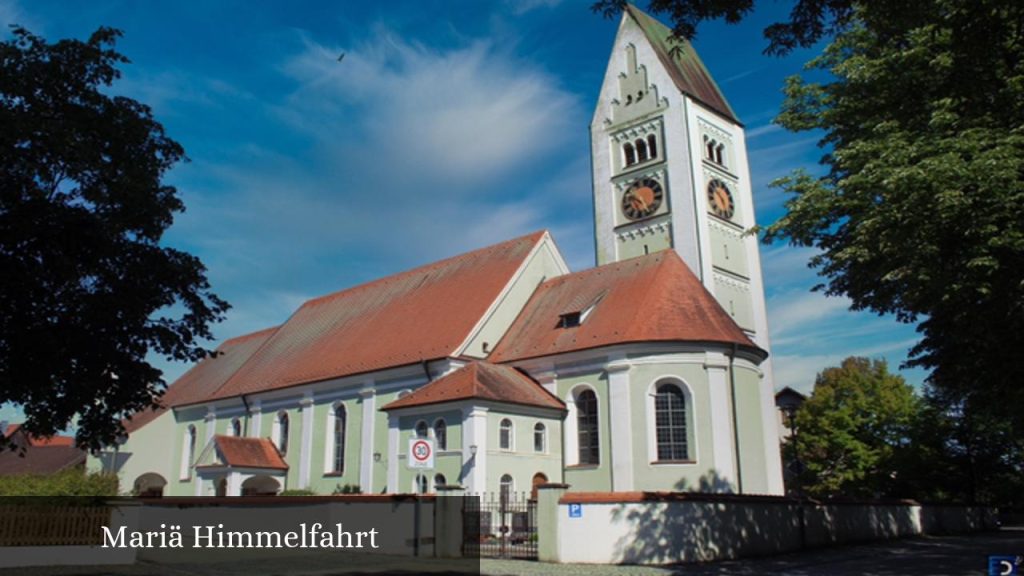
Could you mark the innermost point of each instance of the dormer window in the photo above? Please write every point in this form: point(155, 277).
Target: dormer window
point(570, 320)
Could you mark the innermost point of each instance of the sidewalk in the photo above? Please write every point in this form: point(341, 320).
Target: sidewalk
point(926, 556)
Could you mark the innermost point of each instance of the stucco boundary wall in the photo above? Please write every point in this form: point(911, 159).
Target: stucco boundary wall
point(416, 527)
point(407, 525)
point(662, 528)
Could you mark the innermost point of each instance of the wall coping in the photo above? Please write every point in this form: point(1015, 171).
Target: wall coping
point(187, 501)
point(636, 496)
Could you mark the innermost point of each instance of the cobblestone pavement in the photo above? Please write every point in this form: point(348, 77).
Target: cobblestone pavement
point(931, 556)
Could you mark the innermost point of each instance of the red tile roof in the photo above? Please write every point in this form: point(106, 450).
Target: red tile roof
point(682, 63)
point(481, 381)
point(39, 440)
point(422, 314)
point(249, 452)
point(45, 459)
point(653, 298)
point(205, 378)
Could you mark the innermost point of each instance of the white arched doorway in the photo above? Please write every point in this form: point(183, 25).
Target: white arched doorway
point(149, 485)
point(260, 486)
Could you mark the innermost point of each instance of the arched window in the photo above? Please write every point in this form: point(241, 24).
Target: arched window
point(339, 438)
point(441, 434)
point(236, 427)
point(586, 428)
point(507, 486)
point(718, 153)
point(670, 423)
point(439, 480)
point(282, 432)
point(540, 438)
point(641, 150)
point(188, 452)
point(421, 429)
point(419, 485)
point(709, 146)
point(505, 435)
point(630, 153)
point(652, 146)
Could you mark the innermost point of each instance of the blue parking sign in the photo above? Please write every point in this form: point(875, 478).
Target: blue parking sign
point(575, 510)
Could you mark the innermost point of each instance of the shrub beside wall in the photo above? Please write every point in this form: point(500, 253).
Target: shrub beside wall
point(67, 483)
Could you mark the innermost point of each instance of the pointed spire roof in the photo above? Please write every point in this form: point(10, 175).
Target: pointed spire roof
point(682, 63)
point(653, 298)
point(481, 381)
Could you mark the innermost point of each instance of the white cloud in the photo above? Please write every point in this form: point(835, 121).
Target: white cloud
point(523, 6)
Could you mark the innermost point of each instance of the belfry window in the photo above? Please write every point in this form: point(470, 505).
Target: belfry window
point(670, 423)
point(630, 153)
point(652, 146)
point(641, 151)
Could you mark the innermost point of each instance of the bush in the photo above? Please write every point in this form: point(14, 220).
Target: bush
point(72, 482)
point(297, 492)
point(347, 489)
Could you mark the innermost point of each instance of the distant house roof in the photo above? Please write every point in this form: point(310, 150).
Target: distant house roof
point(40, 460)
point(40, 455)
point(421, 314)
point(683, 65)
point(654, 298)
point(789, 397)
point(481, 381)
point(240, 452)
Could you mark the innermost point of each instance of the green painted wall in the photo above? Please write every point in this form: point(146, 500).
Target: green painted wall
point(655, 241)
point(753, 460)
point(647, 474)
point(448, 462)
point(590, 478)
point(522, 462)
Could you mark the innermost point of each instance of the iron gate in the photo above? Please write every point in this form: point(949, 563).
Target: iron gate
point(500, 526)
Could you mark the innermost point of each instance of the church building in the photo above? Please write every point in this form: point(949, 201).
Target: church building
point(500, 369)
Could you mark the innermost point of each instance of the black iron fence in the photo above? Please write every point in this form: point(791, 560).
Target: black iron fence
point(500, 526)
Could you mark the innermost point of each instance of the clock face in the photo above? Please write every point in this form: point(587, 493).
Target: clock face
point(720, 199)
point(642, 198)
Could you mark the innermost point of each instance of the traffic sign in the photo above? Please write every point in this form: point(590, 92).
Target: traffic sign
point(421, 453)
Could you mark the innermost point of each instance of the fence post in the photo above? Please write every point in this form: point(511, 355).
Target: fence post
point(548, 496)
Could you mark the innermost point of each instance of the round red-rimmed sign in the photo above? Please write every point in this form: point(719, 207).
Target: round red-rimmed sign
point(421, 451)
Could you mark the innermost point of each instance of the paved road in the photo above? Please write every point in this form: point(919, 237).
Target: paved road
point(931, 556)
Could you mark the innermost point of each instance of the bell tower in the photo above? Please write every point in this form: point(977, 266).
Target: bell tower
point(670, 172)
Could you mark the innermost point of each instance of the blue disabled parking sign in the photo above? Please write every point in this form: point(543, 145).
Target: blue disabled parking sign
point(575, 511)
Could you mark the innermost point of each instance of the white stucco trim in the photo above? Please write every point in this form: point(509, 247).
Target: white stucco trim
point(255, 419)
point(306, 447)
point(474, 433)
point(621, 424)
point(369, 396)
point(393, 433)
point(722, 432)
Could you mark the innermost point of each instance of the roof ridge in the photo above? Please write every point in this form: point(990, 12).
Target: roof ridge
point(423, 268)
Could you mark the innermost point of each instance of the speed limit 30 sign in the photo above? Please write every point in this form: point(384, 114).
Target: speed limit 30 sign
point(421, 453)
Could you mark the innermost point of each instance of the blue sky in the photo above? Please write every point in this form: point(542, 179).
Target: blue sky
point(447, 126)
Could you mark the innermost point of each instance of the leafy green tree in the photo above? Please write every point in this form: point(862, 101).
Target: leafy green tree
point(86, 287)
point(854, 429)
